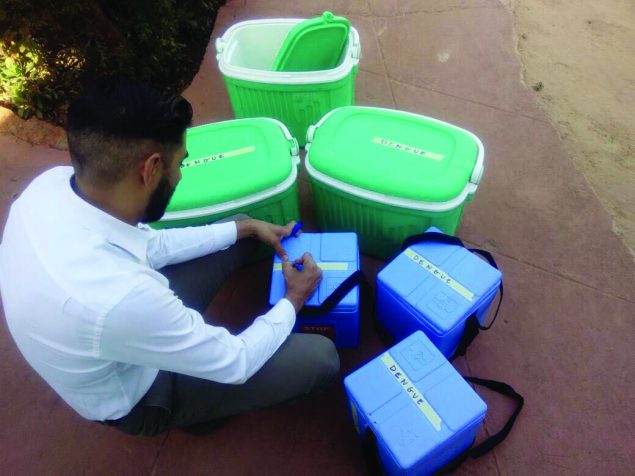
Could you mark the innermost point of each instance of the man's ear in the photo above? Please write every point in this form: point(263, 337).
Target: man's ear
point(151, 168)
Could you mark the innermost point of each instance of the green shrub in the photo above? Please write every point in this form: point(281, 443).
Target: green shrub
point(49, 49)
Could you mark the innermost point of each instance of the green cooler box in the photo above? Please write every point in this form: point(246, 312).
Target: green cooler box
point(241, 166)
point(249, 52)
point(389, 174)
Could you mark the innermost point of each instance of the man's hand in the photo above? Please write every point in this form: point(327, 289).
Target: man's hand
point(301, 284)
point(266, 232)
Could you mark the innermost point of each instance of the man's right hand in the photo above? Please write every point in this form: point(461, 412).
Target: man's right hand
point(301, 284)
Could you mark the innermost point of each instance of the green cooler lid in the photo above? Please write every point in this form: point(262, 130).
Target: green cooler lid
point(232, 160)
point(395, 153)
point(313, 45)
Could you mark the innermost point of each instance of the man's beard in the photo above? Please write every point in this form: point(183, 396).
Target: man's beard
point(158, 201)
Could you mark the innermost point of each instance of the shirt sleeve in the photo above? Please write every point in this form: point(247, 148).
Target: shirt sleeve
point(151, 327)
point(176, 245)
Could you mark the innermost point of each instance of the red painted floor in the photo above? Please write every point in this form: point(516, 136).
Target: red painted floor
point(566, 331)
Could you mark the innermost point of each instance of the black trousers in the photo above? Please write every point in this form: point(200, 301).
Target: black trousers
point(304, 364)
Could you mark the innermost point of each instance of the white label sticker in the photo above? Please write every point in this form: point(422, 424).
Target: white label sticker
point(439, 274)
point(408, 148)
point(413, 392)
point(222, 155)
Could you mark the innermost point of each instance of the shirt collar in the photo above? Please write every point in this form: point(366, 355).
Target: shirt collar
point(117, 232)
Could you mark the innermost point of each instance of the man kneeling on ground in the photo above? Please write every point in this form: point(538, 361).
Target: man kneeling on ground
point(108, 311)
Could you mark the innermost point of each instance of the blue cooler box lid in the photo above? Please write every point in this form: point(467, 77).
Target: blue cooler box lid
point(441, 282)
point(338, 256)
point(414, 399)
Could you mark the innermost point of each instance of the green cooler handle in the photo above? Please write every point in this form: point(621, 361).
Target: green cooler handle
point(309, 133)
point(219, 45)
point(356, 47)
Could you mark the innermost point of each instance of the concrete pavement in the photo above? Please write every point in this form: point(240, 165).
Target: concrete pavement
point(565, 335)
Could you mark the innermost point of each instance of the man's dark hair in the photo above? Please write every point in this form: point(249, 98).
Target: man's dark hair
point(115, 121)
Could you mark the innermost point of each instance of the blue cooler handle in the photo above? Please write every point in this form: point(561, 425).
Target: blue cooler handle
point(472, 326)
point(355, 279)
point(497, 438)
point(369, 440)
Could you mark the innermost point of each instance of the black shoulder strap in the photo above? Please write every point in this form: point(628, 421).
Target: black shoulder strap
point(370, 453)
point(497, 438)
point(431, 236)
point(472, 327)
point(355, 279)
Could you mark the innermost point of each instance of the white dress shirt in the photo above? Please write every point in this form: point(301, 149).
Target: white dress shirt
point(91, 315)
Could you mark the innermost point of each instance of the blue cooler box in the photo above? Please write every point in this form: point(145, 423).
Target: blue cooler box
point(435, 287)
point(422, 413)
point(337, 254)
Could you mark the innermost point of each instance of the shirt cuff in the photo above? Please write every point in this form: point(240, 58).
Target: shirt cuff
point(225, 234)
point(283, 311)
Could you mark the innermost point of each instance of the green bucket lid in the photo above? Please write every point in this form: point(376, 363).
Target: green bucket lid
point(313, 45)
point(232, 160)
point(395, 153)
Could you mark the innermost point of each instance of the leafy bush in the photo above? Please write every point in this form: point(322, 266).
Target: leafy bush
point(49, 49)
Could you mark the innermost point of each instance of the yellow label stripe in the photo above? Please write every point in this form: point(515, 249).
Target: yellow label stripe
point(413, 392)
point(407, 148)
point(335, 266)
point(222, 155)
point(440, 274)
